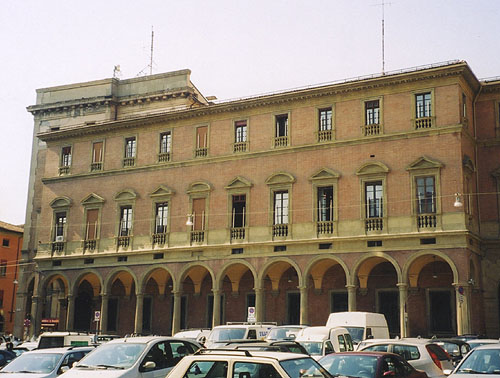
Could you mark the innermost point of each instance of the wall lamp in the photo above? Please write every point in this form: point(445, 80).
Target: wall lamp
point(458, 200)
point(189, 221)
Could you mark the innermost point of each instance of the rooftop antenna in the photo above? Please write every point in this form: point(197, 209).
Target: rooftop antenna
point(383, 3)
point(151, 60)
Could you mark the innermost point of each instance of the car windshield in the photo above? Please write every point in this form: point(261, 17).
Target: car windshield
point(119, 355)
point(312, 347)
point(283, 333)
point(33, 363)
point(226, 334)
point(356, 333)
point(481, 361)
point(304, 367)
point(352, 365)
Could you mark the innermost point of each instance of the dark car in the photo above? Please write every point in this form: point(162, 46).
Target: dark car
point(6, 356)
point(456, 348)
point(369, 365)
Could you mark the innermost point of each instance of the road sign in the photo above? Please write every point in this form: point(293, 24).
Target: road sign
point(251, 314)
point(97, 316)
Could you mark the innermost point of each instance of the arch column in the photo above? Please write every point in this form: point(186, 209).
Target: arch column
point(176, 319)
point(462, 295)
point(304, 305)
point(216, 310)
point(403, 317)
point(139, 302)
point(103, 324)
point(259, 304)
point(35, 316)
point(351, 297)
point(19, 316)
point(70, 315)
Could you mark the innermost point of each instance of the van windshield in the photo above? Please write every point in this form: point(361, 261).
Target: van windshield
point(51, 342)
point(313, 348)
point(356, 333)
point(226, 334)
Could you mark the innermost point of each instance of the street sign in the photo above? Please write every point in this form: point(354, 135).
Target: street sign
point(97, 316)
point(251, 315)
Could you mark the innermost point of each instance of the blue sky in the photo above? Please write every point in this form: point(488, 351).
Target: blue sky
point(234, 48)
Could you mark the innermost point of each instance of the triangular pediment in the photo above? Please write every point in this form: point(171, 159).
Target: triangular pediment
point(60, 202)
point(239, 182)
point(199, 186)
point(324, 174)
point(372, 168)
point(162, 191)
point(424, 163)
point(125, 195)
point(92, 199)
point(280, 178)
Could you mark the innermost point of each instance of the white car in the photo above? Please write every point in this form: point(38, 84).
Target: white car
point(133, 357)
point(283, 333)
point(216, 363)
point(482, 361)
point(44, 363)
point(422, 354)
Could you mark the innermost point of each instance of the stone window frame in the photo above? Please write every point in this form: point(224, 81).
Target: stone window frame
point(325, 177)
point(319, 137)
point(243, 146)
point(422, 167)
point(371, 172)
point(103, 141)
point(162, 194)
point(170, 153)
point(59, 205)
point(207, 144)
point(238, 186)
point(280, 181)
point(196, 190)
point(126, 197)
point(124, 151)
point(275, 115)
point(92, 202)
point(66, 169)
point(363, 128)
point(469, 196)
point(414, 118)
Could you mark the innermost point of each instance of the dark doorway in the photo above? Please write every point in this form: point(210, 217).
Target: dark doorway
point(339, 302)
point(183, 312)
point(83, 307)
point(440, 313)
point(147, 309)
point(388, 304)
point(293, 308)
point(112, 314)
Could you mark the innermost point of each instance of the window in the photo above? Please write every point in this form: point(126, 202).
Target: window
point(91, 227)
point(281, 207)
point(426, 195)
point(59, 226)
point(240, 131)
point(3, 268)
point(372, 111)
point(238, 210)
point(281, 132)
point(423, 105)
point(125, 220)
point(5, 242)
point(325, 119)
point(161, 218)
point(165, 146)
point(65, 160)
point(325, 204)
point(373, 199)
point(1, 299)
point(464, 105)
point(201, 141)
point(255, 370)
point(97, 149)
point(198, 214)
point(130, 152)
point(207, 369)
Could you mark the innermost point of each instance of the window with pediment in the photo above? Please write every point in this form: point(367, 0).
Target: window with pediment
point(280, 185)
point(324, 184)
point(238, 196)
point(125, 201)
point(60, 208)
point(160, 225)
point(92, 205)
point(198, 193)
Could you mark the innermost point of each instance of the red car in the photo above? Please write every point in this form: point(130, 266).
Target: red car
point(369, 365)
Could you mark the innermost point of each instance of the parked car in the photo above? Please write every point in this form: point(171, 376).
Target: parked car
point(285, 332)
point(457, 349)
point(422, 354)
point(482, 361)
point(237, 331)
point(277, 346)
point(144, 356)
point(361, 325)
point(216, 363)
point(369, 365)
point(322, 340)
point(478, 342)
point(198, 334)
point(6, 356)
point(45, 363)
point(62, 339)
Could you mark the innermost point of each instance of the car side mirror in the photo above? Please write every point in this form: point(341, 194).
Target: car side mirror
point(447, 371)
point(63, 369)
point(150, 365)
point(202, 340)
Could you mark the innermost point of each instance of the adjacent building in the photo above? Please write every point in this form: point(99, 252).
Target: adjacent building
point(153, 208)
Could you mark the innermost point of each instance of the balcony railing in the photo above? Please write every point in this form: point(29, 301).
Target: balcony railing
point(89, 245)
point(96, 167)
point(58, 246)
point(423, 123)
point(280, 230)
point(123, 241)
point(159, 239)
point(370, 130)
point(240, 147)
point(197, 236)
point(324, 227)
point(129, 161)
point(201, 152)
point(374, 224)
point(281, 141)
point(324, 135)
point(64, 170)
point(426, 221)
point(237, 233)
point(164, 157)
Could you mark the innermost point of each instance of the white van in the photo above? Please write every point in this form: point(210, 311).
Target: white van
point(320, 341)
point(361, 325)
point(222, 334)
point(64, 339)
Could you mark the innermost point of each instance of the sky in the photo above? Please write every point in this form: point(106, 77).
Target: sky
point(234, 48)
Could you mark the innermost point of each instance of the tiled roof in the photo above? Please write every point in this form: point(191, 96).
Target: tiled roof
point(11, 227)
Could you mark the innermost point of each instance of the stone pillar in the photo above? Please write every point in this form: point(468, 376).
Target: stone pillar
point(403, 295)
point(351, 297)
point(259, 304)
point(103, 324)
point(35, 316)
point(216, 310)
point(304, 305)
point(139, 302)
point(176, 320)
point(70, 314)
point(462, 295)
point(19, 315)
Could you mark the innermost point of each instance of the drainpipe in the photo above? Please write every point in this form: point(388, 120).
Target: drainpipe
point(16, 266)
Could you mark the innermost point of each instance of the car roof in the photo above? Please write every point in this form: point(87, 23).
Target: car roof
point(240, 353)
point(145, 339)
point(449, 340)
point(488, 346)
point(363, 353)
point(60, 350)
point(408, 340)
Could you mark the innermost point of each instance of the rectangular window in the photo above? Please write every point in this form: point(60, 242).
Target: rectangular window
point(125, 220)
point(240, 131)
point(199, 214)
point(201, 137)
point(161, 218)
point(66, 156)
point(165, 142)
point(464, 105)
point(281, 207)
point(59, 226)
point(3, 268)
point(372, 111)
point(1, 298)
point(97, 149)
point(5, 242)
point(238, 210)
point(130, 147)
point(92, 218)
point(423, 105)
point(373, 198)
point(426, 195)
point(325, 119)
point(282, 125)
point(325, 204)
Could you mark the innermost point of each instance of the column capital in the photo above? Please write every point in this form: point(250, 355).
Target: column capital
point(402, 285)
point(104, 295)
point(139, 295)
point(302, 288)
point(258, 289)
point(176, 293)
point(216, 291)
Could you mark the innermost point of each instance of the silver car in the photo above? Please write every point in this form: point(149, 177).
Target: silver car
point(483, 361)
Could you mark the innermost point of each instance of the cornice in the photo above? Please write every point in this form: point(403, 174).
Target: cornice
point(251, 155)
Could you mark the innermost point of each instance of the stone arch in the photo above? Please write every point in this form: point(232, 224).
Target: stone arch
point(125, 195)
point(417, 261)
point(93, 277)
point(49, 279)
point(372, 167)
point(365, 264)
point(60, 202)
point(231, 270)
point(312, 268)
point(280, 178)
point(199, 187)
point(161, 275)
point(196, 272)
point(277, 267)
point(126, 276)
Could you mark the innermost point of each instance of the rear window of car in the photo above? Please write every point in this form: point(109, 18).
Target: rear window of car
point(377, 348)
point(408, 352)
point(440, 353)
